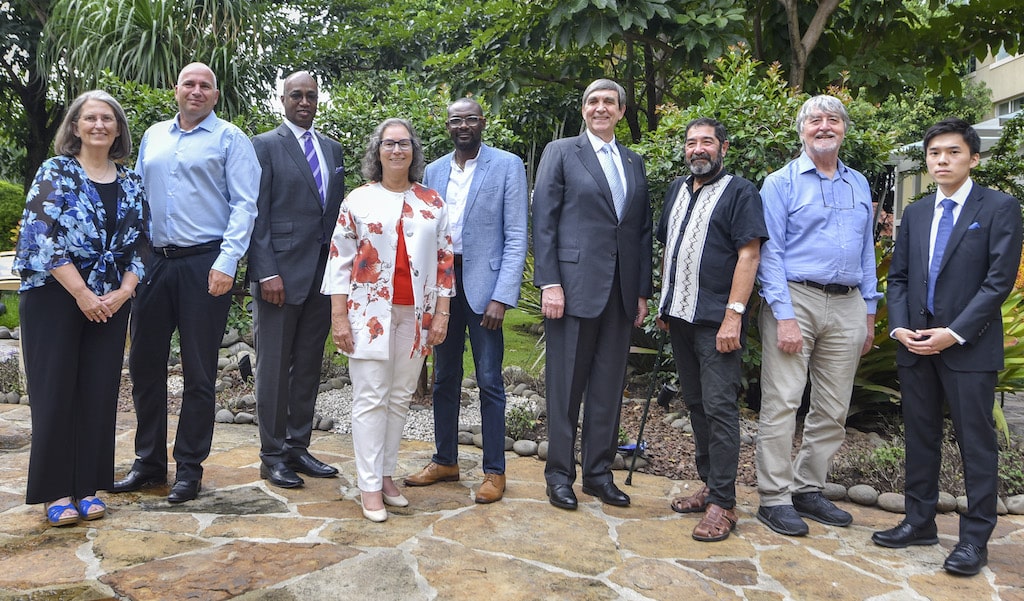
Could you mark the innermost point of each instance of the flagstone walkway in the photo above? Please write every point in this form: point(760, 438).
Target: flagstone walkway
point(243, 539)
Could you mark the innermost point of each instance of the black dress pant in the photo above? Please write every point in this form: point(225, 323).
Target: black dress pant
point(970, 396)
point(74, 373)
point(175, 296)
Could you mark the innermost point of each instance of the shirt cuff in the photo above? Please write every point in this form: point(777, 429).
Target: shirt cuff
point(960, 339)
point(269, 277)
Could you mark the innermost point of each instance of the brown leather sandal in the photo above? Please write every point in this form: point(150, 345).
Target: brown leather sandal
point(716, 524)
point(694, 503)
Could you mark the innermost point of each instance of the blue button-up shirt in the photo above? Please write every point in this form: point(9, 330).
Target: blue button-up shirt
point(202, 185)
point(819, 229)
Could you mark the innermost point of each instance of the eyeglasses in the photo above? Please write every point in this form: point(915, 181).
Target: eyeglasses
point(472, 121)
point(389, 145)
point(837, 194)
point(105, 119)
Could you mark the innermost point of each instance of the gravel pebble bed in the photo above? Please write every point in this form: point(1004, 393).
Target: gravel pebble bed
point(337, 405)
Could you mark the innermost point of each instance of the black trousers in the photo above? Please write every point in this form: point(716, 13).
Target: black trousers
point(710, 383)
point(970, 396)
point(74, 372)
point(586, 364)
point(175, 297)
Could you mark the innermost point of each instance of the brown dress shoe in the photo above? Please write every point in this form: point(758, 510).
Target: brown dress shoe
point(716, 524)
point(492, 488)
point(432, 474)
point(694, 503)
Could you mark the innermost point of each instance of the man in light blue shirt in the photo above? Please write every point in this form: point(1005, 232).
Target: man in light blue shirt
point(202, 179)
point(817, 276)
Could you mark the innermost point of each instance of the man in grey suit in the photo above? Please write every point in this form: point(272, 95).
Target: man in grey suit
point(300, 194)
point(485, 190)
point(592, 262)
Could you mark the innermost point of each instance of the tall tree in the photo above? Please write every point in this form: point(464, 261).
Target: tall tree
point(149, 41)
point(26, 82)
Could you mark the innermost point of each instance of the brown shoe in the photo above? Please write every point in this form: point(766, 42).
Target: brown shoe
point(694, 503)
point(716, 524)
point(432, 474)
point(492, 488)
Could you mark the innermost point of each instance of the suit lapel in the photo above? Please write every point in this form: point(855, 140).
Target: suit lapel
point(968, 213)
point(924, 240)
point(627, 168)
point(483, 163)
point(592, 164)
point(293, 149)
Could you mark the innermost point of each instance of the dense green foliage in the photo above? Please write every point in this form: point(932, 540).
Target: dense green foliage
point(12, 205)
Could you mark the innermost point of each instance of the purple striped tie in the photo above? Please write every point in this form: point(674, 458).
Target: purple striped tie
point(314, 166)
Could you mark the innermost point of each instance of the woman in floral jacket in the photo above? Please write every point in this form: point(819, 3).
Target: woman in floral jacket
point(84, 228)
point(390, 276)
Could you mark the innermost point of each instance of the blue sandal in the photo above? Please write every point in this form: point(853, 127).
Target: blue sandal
point(84, 505)
point(55, 514)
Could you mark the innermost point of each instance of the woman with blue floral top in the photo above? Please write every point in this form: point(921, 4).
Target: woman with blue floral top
point(79, 255)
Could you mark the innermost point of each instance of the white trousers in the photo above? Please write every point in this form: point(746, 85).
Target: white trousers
point(381, 394)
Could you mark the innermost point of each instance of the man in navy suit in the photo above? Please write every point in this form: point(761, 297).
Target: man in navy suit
point(485, 190)
point(954, 264)
point(592, 262)
point(301, 190)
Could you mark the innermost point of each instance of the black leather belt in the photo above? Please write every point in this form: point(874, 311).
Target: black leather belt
point(458, 260)
point(177, 252)
point(828, 288)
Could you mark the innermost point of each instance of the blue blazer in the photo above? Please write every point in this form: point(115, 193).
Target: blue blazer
point(977, 273)
point(494, 225)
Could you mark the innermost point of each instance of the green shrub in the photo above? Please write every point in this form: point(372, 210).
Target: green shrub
point(12, 205)
point(519, 421)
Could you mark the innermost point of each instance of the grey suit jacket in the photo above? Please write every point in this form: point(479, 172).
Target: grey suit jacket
point(978, 270)
point(291, 228)
point(578, 240)
point(494, 225)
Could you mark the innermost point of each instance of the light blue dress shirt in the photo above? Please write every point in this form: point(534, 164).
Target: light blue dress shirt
point(819, 229)
point(201, 185)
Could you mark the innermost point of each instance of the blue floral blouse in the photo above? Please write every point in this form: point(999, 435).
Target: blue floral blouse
point(65, 222)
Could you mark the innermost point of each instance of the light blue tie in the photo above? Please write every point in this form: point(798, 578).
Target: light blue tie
point(941, 238)
point(611, 173)
point(314, 165)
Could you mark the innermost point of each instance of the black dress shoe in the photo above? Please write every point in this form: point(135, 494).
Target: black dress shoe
point(608, 493)
point(904, 535)
point(814, 506)
point(782, 519)
point(281, 475)
point(561, 495)
point(134, 480)
point(966, 559)
point(184, 490)
point(311, 466)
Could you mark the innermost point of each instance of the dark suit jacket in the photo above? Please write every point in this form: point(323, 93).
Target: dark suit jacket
point(578, 240)
point(978, 270)
point(291, 228)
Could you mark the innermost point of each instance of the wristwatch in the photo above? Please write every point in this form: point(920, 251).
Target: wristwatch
point(738, 307)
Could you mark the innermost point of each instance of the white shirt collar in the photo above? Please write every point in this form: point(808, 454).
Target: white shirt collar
point(598, 143)
point(959, 197)
point(297, 131)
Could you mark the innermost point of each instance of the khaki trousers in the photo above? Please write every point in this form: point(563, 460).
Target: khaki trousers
point(834, 327)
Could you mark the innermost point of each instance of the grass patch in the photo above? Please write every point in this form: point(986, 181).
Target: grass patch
point(10, 318)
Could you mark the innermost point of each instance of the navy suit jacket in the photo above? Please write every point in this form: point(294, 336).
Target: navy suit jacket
point(979, 267)
point(578, 239)
point(291, 228)
point(493, 225)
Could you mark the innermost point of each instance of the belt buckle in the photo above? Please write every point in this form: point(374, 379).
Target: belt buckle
point(167, 251)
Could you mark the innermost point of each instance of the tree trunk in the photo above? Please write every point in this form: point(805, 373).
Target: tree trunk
point(802, 44)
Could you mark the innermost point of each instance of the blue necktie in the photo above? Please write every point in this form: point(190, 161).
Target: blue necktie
point(941, 238)
point(314, 165)
point(611, 173)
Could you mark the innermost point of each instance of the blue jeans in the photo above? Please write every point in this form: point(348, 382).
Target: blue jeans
point(488, 351)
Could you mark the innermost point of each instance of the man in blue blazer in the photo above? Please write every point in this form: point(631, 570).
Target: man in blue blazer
point(592, 262)
point(301, 189)
point(485, 190)
point(954, 264)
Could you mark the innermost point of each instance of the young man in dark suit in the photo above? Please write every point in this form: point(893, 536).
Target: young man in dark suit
point(956, 259)
point(592, 262)
point(301, 190)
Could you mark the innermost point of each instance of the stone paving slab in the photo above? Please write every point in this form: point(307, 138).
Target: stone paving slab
point(243, 539)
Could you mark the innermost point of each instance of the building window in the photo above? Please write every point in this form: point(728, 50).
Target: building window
point(1010, 106)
